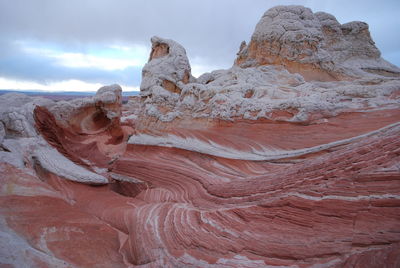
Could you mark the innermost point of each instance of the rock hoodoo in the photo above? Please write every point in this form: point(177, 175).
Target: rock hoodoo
point(288, 159)
point(168, 68)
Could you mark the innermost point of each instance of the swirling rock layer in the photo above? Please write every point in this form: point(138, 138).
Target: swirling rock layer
point(248, 167)
point(339, 208)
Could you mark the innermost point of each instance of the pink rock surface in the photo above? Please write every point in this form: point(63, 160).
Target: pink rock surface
point(204, 191)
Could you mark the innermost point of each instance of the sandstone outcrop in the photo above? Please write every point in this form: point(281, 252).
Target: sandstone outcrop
point(315, 45)
point(90, 115)
point(168, 68)
point(16, 114)
point(299, 66)
point(75, 129)
point(291, 158)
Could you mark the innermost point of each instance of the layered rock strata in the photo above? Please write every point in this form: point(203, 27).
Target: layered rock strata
point(291, 158)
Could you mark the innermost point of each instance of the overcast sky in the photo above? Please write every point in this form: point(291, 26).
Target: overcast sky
point(80, 45)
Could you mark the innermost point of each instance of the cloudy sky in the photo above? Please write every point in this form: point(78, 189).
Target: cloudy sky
point(80, 45)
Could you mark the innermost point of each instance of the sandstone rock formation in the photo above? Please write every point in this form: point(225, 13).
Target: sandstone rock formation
point(90, 115)
point(315, 45)
point(168, 68)
point(303, 63)
point(291, 158)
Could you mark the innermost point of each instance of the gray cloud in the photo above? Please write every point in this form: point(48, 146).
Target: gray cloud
point(19, 65)
point(210, 30)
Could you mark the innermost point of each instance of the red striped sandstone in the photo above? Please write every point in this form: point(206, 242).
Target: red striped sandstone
point(254, 166)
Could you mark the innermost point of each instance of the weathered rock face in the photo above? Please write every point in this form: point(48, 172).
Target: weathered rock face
point(91, 115)
point(16, 114)
point(315, 45)
point(168, 68)
point(299, 66)
point(75, 129)
point(254, 166)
